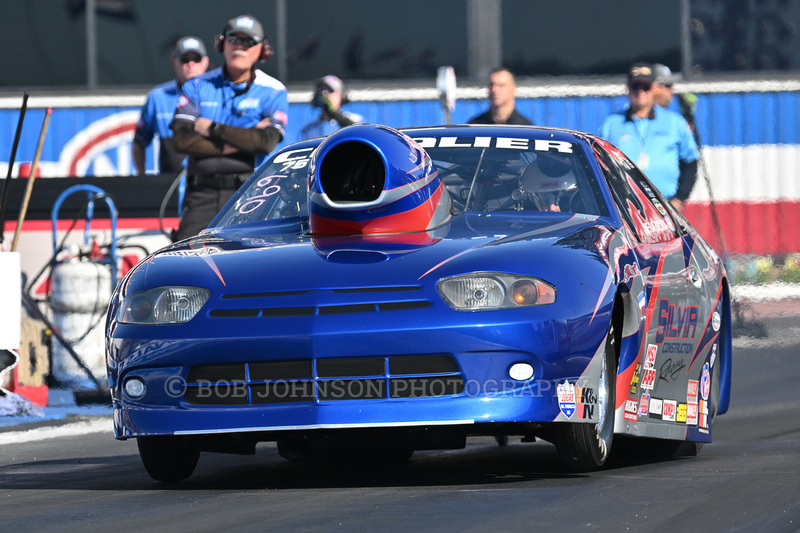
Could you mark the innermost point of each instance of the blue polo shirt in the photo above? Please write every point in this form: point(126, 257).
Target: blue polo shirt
point(213, 96)
point(156, 116)
point(657, 144)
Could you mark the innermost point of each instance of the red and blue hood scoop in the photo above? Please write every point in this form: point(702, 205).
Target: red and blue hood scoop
point(368, 180)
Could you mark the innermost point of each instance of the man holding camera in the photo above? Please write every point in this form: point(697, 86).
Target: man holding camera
point(329, 96)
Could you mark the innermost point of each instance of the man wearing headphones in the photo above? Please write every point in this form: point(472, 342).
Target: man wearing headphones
point(329, 96)
point(227, 120)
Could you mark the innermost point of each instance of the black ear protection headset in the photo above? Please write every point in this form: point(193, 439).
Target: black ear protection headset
point(266, 48)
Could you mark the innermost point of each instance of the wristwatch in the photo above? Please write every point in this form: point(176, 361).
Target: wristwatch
point(213, 130)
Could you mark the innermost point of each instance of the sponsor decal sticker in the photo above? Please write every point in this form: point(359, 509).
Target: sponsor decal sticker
point(715, 321)
point(566, 398)
point(669, 410)
point(585, 400)
point(705, 382)
point(635, 380)
point(681, 414)
point(656, 407)
point(630, 410)
point(691, 414)
point(691, 391)
point(649, 375)
point(703, 422)
point(713, 354)
point(676, 321)
point(644, 403)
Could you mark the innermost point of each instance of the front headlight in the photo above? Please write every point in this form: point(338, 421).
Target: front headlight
point(163, 305)
point(486, 291)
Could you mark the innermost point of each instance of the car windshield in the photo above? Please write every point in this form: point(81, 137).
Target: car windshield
point(482, 174)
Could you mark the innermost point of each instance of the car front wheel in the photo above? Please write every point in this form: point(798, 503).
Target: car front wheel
point(168, 458)
point(585, 447)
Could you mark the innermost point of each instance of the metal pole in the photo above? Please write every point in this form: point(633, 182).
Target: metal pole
point(484, 37)
point(280, 18)
point(91, 44)
point(686, 39)
point(29, 189)
point(7, 182)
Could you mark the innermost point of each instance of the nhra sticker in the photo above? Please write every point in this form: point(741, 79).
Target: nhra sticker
point(566, 398)
point(649, 376)
point(705, 382)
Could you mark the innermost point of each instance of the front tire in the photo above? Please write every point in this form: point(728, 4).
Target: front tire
point(585, 447)
point(167, 458)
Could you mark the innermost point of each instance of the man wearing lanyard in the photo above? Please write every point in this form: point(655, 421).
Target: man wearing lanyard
point(226, 121)
point(658, 140)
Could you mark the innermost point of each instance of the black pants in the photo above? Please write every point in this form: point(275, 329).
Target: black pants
point(200, 207)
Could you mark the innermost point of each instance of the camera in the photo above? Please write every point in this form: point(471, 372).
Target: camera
point(320, 97)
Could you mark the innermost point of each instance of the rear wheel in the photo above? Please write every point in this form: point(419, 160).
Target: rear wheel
point(585, 447)
point(168, 458)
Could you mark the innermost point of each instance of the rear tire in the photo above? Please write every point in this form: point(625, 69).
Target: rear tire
point(169, 459)
point(585, 447)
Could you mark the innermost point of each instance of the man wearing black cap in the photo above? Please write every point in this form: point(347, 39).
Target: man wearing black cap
point(658, 140)
point(329, 96)
point(227, 120)
point(189, 59)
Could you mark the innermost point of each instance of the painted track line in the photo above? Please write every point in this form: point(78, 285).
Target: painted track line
point(97, 425)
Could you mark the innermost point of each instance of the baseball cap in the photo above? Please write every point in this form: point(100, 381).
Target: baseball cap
point(331, 81)
point(246, 24)
point(187, 45)
point(663, 75)
point(641, 72)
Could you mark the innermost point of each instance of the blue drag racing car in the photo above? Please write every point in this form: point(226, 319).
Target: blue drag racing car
point(388, 291)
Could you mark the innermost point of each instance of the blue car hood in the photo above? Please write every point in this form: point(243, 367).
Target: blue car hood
point(246, 260)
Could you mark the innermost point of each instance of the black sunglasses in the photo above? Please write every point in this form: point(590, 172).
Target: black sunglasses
point(247, 42)
point(640, 86)
point(191, 59)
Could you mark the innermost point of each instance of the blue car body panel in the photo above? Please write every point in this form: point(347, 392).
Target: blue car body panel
point(304, 332)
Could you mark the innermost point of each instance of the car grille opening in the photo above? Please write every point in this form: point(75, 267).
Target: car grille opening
point(324, 380)
point(267, 304)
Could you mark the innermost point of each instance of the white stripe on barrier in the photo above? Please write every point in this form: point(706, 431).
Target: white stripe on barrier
point(538, 87)
point(753, 173)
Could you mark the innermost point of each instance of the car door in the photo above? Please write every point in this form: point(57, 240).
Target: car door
point(662, 397)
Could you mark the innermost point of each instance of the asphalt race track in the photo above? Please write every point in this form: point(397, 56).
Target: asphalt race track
point(748, 479)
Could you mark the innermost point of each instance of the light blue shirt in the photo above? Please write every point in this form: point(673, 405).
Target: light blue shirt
point(657, 144)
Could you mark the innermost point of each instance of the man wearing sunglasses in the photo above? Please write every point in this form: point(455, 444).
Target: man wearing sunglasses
point(227, 120)
point(658, 140)
point(189, 59)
